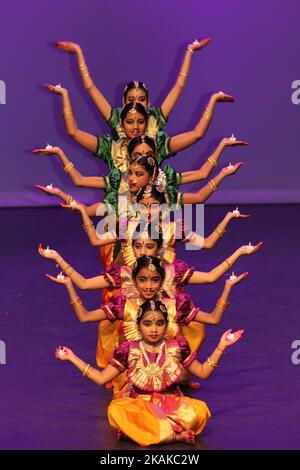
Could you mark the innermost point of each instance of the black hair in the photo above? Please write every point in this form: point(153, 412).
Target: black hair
point(158, 195)
point(144, 262)
point(153, 232)
point(137, 106)
point(135, 85)
point(149, 305)
point(144, 139)
point(149, 164)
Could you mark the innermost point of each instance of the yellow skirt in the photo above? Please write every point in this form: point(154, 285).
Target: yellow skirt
point(153, 419)
point(194, 333)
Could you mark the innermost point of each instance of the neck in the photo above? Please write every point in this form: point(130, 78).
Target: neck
point(153, 346)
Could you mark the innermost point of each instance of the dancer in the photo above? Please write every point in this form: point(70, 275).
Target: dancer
point(155, 412)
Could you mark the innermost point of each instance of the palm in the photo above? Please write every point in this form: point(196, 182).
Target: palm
point(250, 249)
point(64, 280)
point(230, 142)
point(225, 341)
point(223, 97)
point(47, 253)
point(49, 190)
point(238, 215)
point(197, 45)
point(63, 353)
point(232, 169)
point(57, 89)
point(47, 151)
point(233, 282)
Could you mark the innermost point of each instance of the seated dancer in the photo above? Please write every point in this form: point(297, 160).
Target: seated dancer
point(156, 412)
point(134, 91)
point(134, 119)
point(137, 147)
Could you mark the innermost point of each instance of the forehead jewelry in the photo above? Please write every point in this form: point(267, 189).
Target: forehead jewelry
point(144, 235)
point(152, 304)
point(136, 84)
point(151, 266)
point(147, 191)
point(133, 109)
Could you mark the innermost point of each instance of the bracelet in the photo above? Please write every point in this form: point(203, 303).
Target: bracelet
point(86, 370)
point(212, 185)
point(76, 303)
point(68, 167)
point(220, 231)
point(69, 199)
point(229, 265)
point(212, 363)
point(67, 268)
point(220, 349)
point(222, 305)
point(89, 226)
point(183, 74)
point(212, 161)
point(67, 110)
point(207, 114)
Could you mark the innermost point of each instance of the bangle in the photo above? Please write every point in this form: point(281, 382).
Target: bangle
point(67, 268)
point(183, 74)
point(67, 110)
point(220, 349)
point(76, 303)
point(212, 363)
point(229, 265)
point(212, 185)
point(222, 305)
point(88, 226)
point(212, 161)
point(207, 114)
point(69, 199)
point(220, 231)
point(86, 370)
point(68, 167)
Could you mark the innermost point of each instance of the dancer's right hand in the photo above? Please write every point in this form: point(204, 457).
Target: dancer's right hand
point(64, 280)
point(68, 353)
point(68, 46)
point(48, 151)
point(47, 253)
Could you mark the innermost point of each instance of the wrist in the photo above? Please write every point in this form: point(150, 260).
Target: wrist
point(221, 347)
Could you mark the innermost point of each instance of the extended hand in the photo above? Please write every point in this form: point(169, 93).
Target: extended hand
point(49, 189)
point(233, 282)
point(197, 45)
point(231, 169)
point(67, 46)
point(48, 151)
point(57, 89)
point(47, 253)
point(250, 249)
point(63, 353)
point(60, 279)
point(229, 338)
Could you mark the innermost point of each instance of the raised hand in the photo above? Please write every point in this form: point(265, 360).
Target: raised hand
point(63, 353)
point(68, 46)
point(59, 279)
point(250, 249)
point(47, 150)
point(220, 96)
point(197, 45)
point(232, 142)
point(57, 89)
point(237, 280)
point(229, 338)
point(47, 252)
point(52, 191)
point(231, 169)
point(235, 214)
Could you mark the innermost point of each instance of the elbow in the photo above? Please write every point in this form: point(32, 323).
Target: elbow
point(214, 321)
point(83, 320)
point(207, 245)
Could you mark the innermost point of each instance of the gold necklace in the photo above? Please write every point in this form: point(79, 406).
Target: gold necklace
point(152, 369)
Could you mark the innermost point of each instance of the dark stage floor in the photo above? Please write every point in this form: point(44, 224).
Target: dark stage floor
point(254, 396)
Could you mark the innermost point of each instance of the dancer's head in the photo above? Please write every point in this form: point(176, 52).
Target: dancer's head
point(146, 240)
point(136, 92)
point(143, 169)
point(148, 275)
point(134, 118)
point(152, 321)
point(149, 201)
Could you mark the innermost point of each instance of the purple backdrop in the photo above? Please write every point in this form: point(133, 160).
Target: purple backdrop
point(253, 56)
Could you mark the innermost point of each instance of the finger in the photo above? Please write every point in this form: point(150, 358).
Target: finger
point(245, 216)
point(52, 278)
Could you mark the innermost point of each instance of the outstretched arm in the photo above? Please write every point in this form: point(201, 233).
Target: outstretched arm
point(98, 99)
point(206, 169)
point(69, 168)
point(97, 282)
point(86, 140)
point(83, 315)
point(174, 94)
point(215, 317)
point(203, 193)
point(98, 377)
point(185, 140)
point(203, 371)
point(94, 238)
point(220, 230)
point(199, 277)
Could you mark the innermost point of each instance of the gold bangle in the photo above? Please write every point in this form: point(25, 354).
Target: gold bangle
point(212, 161)
point(212, 185)
point(67, 110)
point(89, 226)
point(229, 264)
point(183, 74)
point(76, 303)
point(82, 65)
point(220, 231)
point(222, 305)
point(212, 363)
point(207, 114)
point(68, 167)
point(86, 370)
point(67, 268)
point(69, 199)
